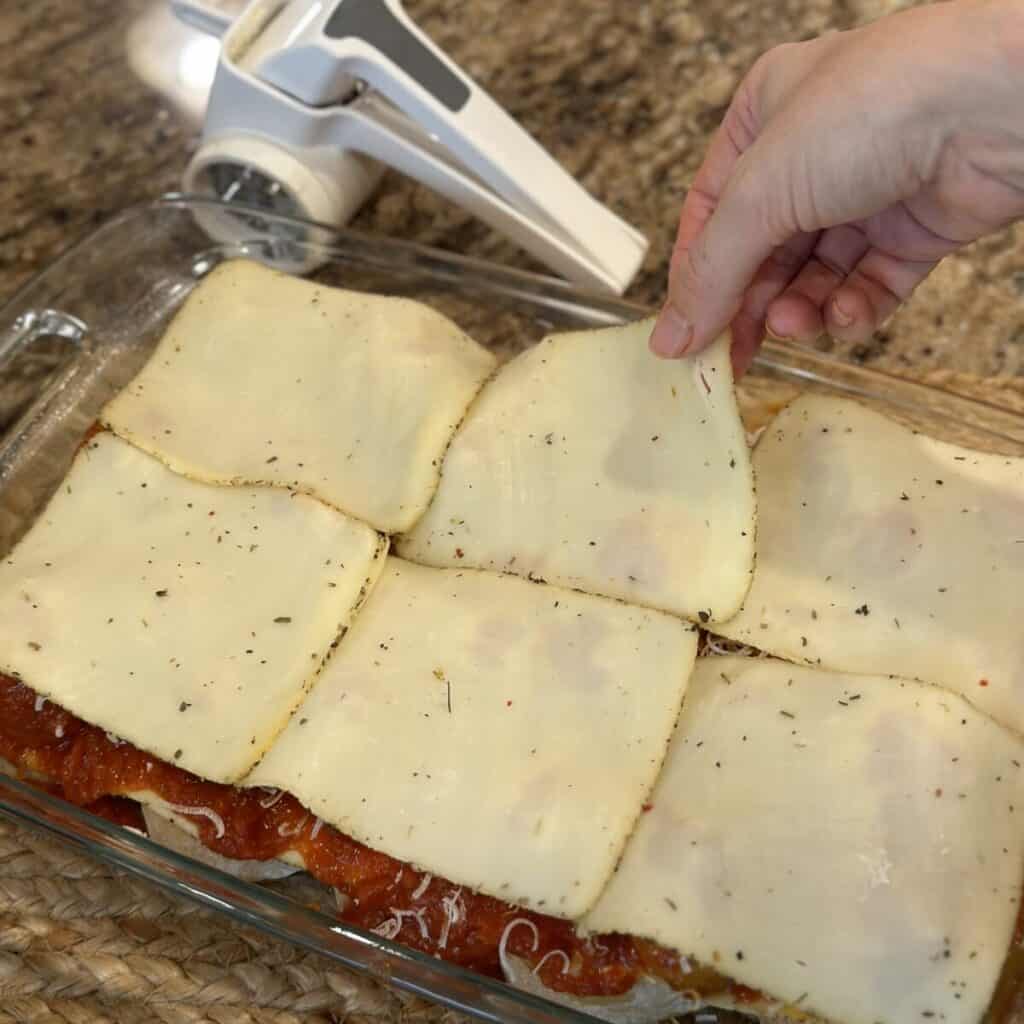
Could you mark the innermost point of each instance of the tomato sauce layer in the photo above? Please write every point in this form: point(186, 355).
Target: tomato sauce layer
point(94, 769)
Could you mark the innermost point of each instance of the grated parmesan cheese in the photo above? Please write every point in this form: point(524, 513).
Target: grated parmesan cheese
point(548, 955)
point(275, 794)
point(453, 909)
point(503, 956)
point(199, 812)
point(286, 831)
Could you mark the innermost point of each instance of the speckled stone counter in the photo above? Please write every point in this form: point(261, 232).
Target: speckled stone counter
point(625, 96)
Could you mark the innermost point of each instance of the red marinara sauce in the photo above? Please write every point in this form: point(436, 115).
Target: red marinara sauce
point(94, 769)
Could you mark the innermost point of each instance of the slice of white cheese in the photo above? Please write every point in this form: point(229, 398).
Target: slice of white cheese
point(880, 550)
point(187, 619)
point(592, 464)
point(848, 844)
point(266, 378)
point(500, 733)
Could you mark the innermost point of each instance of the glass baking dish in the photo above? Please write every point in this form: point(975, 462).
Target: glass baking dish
point(77, 333)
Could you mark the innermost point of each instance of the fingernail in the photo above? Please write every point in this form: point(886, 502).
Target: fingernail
point(672, 334)
point(843, 317)
point(776, 335)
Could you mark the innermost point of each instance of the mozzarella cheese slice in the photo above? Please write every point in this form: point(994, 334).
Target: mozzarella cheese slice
point(499, 733)
point(266, 378)
point(185, 618)
point(880, 550)
point(592, 464)
point(848, 844)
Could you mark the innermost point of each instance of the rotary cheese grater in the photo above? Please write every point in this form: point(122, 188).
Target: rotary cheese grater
point(312, 99)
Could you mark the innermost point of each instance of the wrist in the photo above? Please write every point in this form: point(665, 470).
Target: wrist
point(1011, 45)
point(990, 128)
point(998, 25)
point(968, 66)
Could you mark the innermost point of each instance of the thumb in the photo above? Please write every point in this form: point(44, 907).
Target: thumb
point(710, 272)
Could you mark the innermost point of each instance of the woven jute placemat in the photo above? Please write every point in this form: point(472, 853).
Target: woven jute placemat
point(83, 943)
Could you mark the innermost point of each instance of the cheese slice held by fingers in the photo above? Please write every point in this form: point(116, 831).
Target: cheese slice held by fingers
point(266, 378)
point(592, 464)
point(499, 733)
point(851, 845)
point(187, 619)
point(880, 550)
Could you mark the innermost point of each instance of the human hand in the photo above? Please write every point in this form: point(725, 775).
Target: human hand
point(844, 170)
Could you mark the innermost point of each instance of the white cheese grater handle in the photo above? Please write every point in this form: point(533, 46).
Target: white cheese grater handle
point(309, 90)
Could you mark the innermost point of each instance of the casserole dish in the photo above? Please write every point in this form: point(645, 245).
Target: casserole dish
point(77, 334)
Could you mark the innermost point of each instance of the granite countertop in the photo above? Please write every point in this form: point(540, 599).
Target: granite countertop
point(625, 96)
